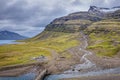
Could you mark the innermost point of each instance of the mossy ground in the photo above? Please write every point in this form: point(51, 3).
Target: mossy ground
point(23, 53)
point(104, 38)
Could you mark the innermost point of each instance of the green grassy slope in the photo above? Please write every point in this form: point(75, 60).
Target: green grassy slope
point(63, 33)
point(104, 37)
point(23, 53)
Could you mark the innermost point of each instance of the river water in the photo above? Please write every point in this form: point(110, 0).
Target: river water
point(78, 75)
point(29, 76)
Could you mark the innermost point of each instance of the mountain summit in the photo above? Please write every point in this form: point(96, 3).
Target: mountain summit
point(77, 21)
point(7, 35)
point(102, 9)
point(104, 12)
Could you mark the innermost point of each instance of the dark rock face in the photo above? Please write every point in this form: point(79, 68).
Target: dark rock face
point(74, 22)
point(7, 35)
point(96, 11)
point(115, 15)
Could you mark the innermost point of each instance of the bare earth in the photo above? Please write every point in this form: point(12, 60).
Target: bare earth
point(17, 70)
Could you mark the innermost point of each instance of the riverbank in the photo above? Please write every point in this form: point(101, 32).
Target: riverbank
point(63, 55)
point(17, 70)
point(56, 64)
point(102, 77)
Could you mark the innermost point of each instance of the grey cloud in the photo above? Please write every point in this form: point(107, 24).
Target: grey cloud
point(77, 2)
point(27, 16)
point(17, 12)
point(115, 3)
point(106, 3)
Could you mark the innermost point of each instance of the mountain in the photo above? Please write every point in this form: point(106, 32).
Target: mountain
point(7, 35)
point(81, 42)
point(102, 25)
point(77, 21)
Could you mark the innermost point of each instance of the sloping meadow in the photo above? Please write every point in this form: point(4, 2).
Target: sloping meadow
point(104, 37)
point(23, 53)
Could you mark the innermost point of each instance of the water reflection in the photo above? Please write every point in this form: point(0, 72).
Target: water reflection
point(29, 76)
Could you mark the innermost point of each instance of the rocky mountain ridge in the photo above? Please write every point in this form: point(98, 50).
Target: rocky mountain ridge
point(79, 20)
point(75, 22)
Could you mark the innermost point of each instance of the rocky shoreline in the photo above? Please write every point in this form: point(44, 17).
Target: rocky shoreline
point(102, 77)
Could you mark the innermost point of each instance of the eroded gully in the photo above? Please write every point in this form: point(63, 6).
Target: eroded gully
point(87, 68)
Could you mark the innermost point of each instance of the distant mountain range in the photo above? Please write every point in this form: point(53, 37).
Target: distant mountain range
point(7, 35)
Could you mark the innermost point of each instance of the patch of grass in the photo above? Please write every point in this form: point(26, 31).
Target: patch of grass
point(20, 53)
point(105, 50)
point(23, 53)
point(104, 38)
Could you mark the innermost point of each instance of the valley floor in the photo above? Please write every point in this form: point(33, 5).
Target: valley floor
point(61, 62)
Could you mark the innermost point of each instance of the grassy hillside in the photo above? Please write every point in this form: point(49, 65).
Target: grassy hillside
point(104, 37)
point(23, 53)
point(63, 33)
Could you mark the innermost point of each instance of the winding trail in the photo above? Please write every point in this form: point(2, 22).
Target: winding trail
point(87, 64)
point(79, 70)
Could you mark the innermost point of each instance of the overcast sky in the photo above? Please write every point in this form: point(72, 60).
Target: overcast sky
point(29, 17)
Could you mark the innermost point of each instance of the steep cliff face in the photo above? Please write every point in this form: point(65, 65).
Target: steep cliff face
point(96, 11)
point(114, 15)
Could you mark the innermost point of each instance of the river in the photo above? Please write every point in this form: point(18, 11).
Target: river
point(29, 76)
